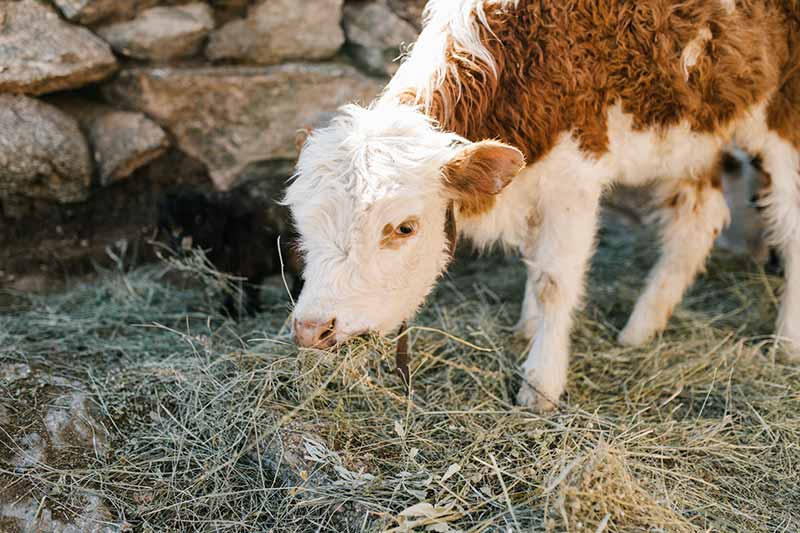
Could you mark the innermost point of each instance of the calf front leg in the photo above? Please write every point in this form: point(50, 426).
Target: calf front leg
point(530, 313)
point(692, 215)
point(781, 162)
point(557, 257)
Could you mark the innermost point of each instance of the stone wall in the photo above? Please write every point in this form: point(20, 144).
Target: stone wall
point(107, 103)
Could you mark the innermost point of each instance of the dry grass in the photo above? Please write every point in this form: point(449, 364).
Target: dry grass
point(219, 426)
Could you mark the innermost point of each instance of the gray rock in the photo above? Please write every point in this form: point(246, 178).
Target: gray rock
point(91, 11)
point(229, 10)
point(14, 371)
point(161, 33)
point(40, 53)
point(70, 422)
point(240, 121)
point(124, 141)
point(43, 153)
point(64, 433)
point(279, 30)
point(376, 35)
point(28, 516)
point(409, 10)
point(120, 141)
point(31, 450)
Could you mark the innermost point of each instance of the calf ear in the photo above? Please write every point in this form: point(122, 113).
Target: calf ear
point(320, 120)
point(479, 172)
point(300, 137)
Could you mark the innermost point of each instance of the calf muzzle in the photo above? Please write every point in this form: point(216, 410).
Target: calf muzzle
point(315, 334)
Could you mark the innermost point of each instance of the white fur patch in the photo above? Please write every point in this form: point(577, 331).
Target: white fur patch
point(640, 156)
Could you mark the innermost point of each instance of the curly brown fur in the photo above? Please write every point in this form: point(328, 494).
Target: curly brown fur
point(561, 65)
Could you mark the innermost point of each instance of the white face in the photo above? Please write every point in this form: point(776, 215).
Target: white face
point(369, 202)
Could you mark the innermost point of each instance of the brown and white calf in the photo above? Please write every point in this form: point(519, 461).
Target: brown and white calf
point(520, 113)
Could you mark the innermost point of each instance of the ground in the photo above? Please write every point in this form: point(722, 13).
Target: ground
point(128, 403)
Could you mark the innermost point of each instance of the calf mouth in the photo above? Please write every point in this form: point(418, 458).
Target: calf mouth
point(331, 341)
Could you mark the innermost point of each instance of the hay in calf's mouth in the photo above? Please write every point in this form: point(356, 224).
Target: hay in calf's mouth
point(214, 425)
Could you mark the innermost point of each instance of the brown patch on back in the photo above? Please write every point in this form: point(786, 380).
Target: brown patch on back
point(783, 113)
point(562, 63)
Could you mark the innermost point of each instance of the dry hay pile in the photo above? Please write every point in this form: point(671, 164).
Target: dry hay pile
point(220, 426)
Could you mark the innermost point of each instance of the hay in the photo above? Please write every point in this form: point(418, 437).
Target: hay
point(222, 426)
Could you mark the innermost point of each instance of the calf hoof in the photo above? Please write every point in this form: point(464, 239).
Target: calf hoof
point(525, 329)
point(634, 335)
point(789, 346)
point(536, 397)
point(791, 354)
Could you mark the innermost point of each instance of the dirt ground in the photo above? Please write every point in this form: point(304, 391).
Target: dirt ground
point(127, 403)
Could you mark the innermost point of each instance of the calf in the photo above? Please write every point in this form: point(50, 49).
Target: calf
point(237, 237)
point(742, 181)
point(515, 115)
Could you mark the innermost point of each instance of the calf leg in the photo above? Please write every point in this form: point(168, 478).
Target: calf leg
point(694, 212)
point(781, 202)
point(557, 258)
point(530, 314)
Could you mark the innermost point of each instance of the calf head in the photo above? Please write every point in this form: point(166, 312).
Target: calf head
point(370, 200)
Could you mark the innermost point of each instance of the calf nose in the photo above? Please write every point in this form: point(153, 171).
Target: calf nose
point(314, 334)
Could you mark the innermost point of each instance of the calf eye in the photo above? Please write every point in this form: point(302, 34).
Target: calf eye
point(393, 237)
point(406, 229)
